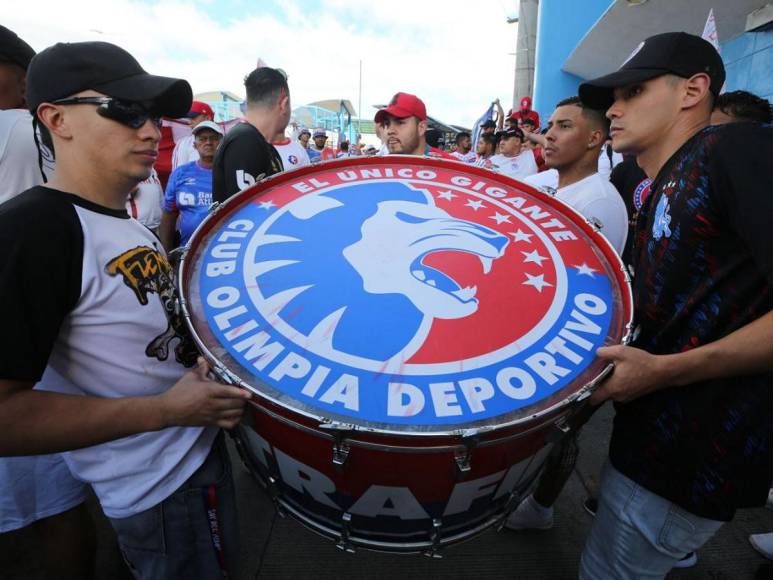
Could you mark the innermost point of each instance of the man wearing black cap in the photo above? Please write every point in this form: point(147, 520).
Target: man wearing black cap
point(88, 291)
point(245, 156)
point(693, 434)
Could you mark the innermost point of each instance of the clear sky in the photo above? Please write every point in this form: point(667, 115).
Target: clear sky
point(454, 54)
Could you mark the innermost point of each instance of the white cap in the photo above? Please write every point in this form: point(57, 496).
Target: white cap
point(208, 125)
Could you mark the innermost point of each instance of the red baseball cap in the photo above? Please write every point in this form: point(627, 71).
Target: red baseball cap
point(200, 108)
point(403, 105)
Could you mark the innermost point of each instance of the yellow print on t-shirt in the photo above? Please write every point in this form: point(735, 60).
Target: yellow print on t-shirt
point(147, 271)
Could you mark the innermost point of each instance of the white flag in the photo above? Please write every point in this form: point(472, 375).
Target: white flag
point(710, 34)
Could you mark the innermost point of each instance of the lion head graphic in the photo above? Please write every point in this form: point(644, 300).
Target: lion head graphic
point(344, 271)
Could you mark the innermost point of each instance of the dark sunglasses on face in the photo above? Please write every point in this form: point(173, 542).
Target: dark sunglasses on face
point(127, 113)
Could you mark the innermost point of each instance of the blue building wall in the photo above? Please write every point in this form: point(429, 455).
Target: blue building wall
point(749, 63)
point(560, 27)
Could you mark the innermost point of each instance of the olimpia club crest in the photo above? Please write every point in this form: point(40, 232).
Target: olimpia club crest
point(405, 294)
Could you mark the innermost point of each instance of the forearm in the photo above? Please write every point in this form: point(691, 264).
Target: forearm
point(36, 422)
point(537, 138)
point(747, 351)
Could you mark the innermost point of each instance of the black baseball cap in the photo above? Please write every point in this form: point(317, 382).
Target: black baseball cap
point(509, 133)
point(488, 124)
point(64, 69)
point(677, 53)
point(13, 49)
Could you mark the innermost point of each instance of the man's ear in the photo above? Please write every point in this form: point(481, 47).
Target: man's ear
point(422, 128)
point(596, 138)
point(55, 120)
point(696, 88)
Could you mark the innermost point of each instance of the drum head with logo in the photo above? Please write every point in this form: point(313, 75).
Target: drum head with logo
point(404, 294)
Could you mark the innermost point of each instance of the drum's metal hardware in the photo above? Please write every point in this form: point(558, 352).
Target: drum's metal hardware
point(560, 429)
point(344, 543)
point(512, 503)
point(337, 426)
point(340, 451)
point(434, 536)
point(464, 457)
point(272, 486)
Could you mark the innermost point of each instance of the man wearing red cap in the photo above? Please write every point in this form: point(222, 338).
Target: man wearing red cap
point(525, 113)
point(404, 123)
point(184, 150)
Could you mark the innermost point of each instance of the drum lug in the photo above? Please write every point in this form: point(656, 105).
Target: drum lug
point(340, 452)
point(434, 536)
point(463, 457)
point(560, 428)
point(344, 544)
point(273, 491)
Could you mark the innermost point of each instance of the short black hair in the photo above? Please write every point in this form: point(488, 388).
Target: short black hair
point(265, 86)
point(433, 137)
point(744, 106)
point(594, 115)
point(461, 136)
point(489, 138)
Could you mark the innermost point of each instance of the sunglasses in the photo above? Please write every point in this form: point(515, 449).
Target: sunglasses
point(127, 113)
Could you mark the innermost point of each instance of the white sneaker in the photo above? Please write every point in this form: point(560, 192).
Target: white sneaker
point(529, 515)
point(763, 543)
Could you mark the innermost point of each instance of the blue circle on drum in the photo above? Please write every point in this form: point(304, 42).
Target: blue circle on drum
point(328, 298)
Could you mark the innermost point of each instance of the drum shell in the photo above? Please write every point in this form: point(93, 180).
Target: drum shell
point(403, 494)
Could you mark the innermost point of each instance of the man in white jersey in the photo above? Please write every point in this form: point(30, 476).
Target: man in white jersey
point(464, 150)
point(39, 493)
point(185, 150)
point(575, 136)
point(512, 160)
point(91, 295)
point(19, 168)
point(292, 151)
point(573, 141)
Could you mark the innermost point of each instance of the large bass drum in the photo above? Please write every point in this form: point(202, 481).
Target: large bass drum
point(416, 332)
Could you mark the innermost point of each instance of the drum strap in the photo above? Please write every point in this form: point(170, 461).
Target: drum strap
point(210, 502)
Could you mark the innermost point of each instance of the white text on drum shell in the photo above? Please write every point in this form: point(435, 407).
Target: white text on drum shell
point(392, 501)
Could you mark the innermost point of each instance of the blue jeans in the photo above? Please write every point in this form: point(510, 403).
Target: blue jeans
point(177, 538)
point(637, 534)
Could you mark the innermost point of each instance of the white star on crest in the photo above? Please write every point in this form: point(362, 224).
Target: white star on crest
point(585, 270)
point(474, 204)
point(520, 236)
point(500, 218)
point(446, 195)
point(266, 204)
point(537, 281)
point(533, 257)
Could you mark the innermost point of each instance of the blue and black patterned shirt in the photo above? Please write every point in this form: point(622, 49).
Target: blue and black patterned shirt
point(703, 260)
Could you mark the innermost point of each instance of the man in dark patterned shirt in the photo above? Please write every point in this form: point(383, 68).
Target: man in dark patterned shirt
point(692, 437)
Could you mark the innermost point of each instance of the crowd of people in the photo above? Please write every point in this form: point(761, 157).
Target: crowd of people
point(92, 394)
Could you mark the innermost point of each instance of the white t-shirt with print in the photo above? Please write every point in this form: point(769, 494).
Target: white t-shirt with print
point(106, 329)
point(293, 154)
point(518, 166)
